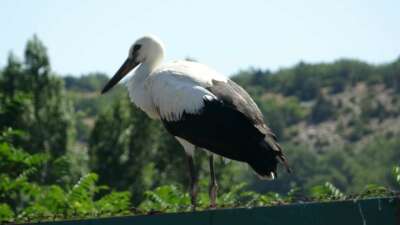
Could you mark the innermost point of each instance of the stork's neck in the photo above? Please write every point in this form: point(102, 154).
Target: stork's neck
point(153, 59)
point(138, 92)
point(145, 69)
point(140, 75)
point(142, 72)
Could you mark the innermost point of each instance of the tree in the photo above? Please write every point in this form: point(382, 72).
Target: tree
point(121, 146)
point(9, 81)
point(322, 110)
point(33, 99)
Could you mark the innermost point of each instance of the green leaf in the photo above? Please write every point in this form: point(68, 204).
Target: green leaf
point(115, 203)
point(6, 213)
point(326, 192)
point(374, 190)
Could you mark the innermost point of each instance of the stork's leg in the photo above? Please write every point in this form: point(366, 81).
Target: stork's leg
point(193, 181)
point(189, 150)
point(213, 188)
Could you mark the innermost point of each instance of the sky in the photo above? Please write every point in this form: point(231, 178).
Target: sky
point(85, 36)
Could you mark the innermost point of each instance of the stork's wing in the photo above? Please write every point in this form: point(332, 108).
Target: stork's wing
point(237, 98)
point(214, 113)
point(234, 96)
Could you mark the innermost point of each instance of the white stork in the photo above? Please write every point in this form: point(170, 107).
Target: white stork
point(200, 108)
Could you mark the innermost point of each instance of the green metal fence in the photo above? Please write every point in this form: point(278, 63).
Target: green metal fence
point(379, 211)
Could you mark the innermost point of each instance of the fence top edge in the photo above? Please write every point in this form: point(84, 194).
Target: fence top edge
point(222, 210)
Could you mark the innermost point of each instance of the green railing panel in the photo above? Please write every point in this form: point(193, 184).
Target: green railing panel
point(380, 211)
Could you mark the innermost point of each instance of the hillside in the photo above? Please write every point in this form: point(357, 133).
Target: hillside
point(328, 104)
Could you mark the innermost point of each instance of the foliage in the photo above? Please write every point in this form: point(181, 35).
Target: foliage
point(375, 190)
point(23, 199)
point(281, 113)
point(33, 99)
point(322, 110)
point(396, 173)
point(166, 198)
point(306, 81)
point(170, 198)
point(326, 191)
point(77, 203)
point(113, 143)
point(86, 83)
point(6, 212)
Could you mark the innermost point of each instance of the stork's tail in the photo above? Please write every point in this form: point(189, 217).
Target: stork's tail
point(266, 157)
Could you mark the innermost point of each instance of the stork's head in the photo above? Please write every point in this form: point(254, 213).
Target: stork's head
point(147, 50)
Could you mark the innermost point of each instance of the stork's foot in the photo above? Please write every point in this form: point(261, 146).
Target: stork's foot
point(212, 191)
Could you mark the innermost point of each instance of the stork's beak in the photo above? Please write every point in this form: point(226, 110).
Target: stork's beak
point(126, 67)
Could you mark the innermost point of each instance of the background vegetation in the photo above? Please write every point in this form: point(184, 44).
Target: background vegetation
point(66, 151)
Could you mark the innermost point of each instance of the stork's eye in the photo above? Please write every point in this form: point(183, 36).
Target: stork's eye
point(136, 47)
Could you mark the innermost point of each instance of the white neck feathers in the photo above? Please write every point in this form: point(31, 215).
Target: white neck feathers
point(138, 92)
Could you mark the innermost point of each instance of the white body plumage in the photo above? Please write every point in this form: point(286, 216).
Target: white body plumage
point(173, 88)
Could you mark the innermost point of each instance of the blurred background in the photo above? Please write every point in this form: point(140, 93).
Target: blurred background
point(326, 75)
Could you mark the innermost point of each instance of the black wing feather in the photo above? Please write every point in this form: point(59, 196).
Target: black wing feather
point(233, 127)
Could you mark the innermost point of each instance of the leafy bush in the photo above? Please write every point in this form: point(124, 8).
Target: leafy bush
point(25, 200)
point(168, 198)
point(326, 191)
